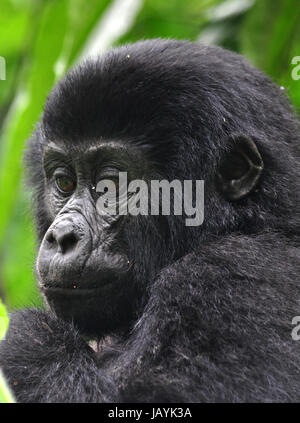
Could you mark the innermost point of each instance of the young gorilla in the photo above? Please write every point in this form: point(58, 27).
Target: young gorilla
point(182, 313)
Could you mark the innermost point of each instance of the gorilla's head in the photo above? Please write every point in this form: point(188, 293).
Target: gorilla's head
point(155, 110)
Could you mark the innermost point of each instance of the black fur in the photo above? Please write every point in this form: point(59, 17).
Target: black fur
point(213, 303)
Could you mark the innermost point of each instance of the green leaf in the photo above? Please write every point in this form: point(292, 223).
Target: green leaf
point(271, 38)
point(4, 320)
point(5, 394)
point(170, 19)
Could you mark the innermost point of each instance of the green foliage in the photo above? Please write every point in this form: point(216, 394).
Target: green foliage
point(5, 394)
point(170, 19)
point(270, 39)
point(4, 320)
point(41, 39)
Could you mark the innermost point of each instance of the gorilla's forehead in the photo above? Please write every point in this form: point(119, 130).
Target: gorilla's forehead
point(130, 90)
point(161, 94)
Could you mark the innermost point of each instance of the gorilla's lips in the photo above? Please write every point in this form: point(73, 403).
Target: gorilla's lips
point(81, 284)
point(87, 283)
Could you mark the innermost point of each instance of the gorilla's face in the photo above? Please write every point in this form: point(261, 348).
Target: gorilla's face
point(87, 270)
point(83, 266)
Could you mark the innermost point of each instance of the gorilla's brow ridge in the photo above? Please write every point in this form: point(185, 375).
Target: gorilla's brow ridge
point(52, 150)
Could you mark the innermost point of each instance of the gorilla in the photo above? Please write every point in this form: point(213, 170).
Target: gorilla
point(144, 308)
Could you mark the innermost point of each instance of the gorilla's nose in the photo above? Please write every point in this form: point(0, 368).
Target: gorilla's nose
point(63, 237)
point(63, 252)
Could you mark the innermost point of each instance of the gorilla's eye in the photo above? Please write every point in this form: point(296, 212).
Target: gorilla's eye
point(65, 184)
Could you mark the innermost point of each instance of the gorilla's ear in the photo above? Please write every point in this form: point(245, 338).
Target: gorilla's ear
point(240, 169)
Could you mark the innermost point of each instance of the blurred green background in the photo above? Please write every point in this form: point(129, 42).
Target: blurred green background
point(41, 39)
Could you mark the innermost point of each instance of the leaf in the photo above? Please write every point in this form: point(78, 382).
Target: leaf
point(271, 38)
point(4, 320)
point(5, 394)
point(170, 19)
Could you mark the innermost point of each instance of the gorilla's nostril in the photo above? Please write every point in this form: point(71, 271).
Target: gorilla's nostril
point(67, 242)
point(50, 238)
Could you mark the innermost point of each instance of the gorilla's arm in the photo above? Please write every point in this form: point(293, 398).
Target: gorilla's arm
point(218, 326)
point(46, 360)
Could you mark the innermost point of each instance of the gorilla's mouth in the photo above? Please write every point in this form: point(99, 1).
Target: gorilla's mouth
point(81, 286)
point(91, 276)
point(83, 280)
point(72, 290)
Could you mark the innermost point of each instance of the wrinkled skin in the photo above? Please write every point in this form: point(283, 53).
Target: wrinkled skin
point(83, 258)
point(180, 313)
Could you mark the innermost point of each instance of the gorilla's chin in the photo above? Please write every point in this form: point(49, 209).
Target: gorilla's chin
point(93, 311)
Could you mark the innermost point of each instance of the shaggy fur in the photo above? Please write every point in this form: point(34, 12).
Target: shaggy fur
point(213, 304)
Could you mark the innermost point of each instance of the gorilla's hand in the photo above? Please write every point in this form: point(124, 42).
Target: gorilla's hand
point(46, 360)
